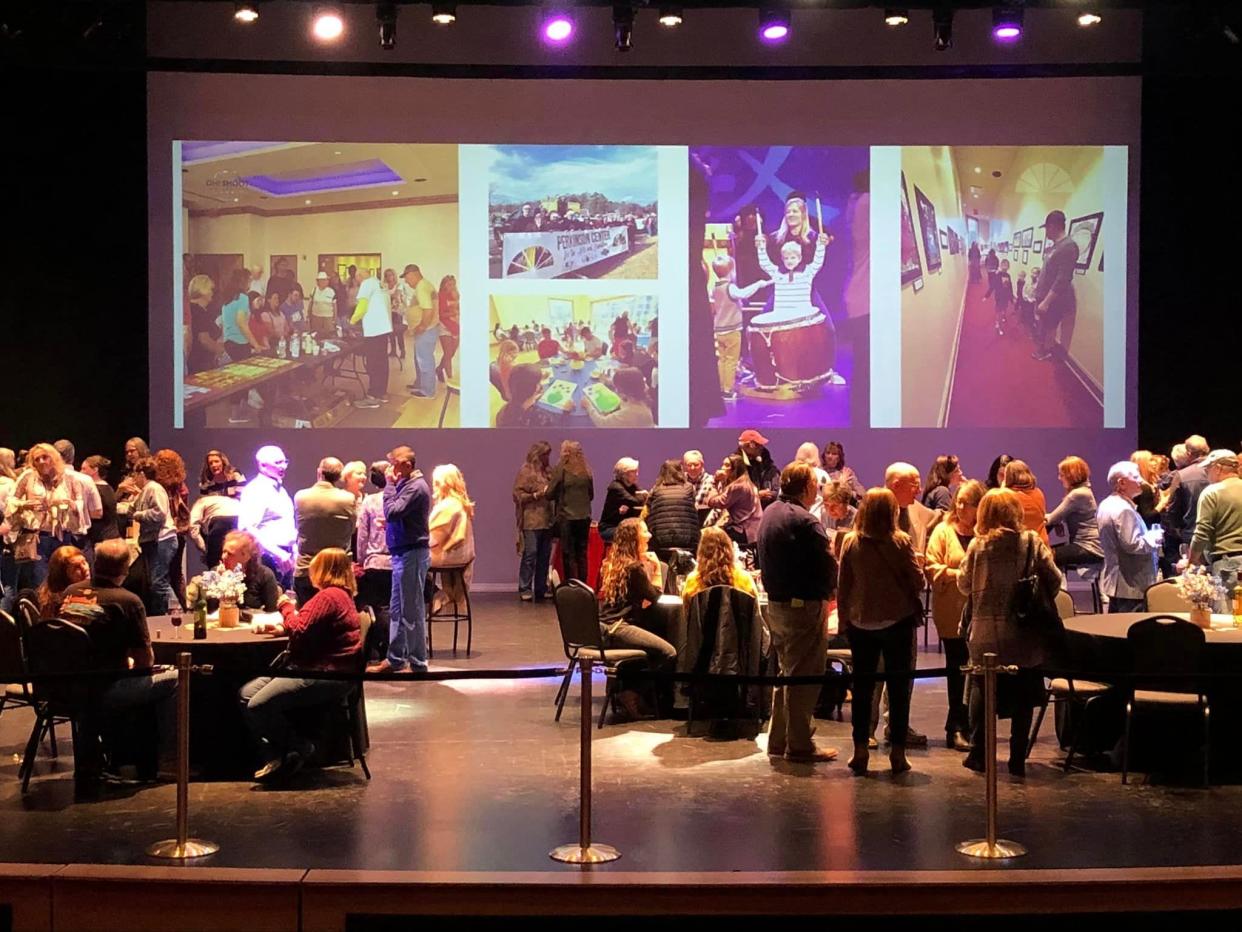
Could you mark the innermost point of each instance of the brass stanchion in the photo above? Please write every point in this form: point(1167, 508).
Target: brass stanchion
point(991, 847)
point(584, 852)
point(183, 846)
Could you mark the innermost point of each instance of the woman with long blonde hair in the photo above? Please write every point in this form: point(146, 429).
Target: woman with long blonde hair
point(451, 526)
point(42, 511)
point(716, 566)
point(571, 489)
point(506, 359)
point(629, 589)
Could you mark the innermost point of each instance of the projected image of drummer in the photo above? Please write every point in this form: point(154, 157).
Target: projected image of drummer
point(573, 212)
point(785, 246)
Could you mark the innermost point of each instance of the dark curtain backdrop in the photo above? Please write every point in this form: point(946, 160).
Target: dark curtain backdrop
point(72, 306)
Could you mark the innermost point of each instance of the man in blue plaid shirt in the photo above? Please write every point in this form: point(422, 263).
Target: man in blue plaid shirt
point(704, 482)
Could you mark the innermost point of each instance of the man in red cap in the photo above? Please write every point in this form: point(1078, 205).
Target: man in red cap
point(752, 446)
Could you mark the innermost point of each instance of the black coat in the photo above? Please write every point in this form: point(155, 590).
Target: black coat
point(619, 494)
point(672, 519)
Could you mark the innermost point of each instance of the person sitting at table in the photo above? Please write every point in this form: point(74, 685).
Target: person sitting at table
point(670, 514)
point(323, 636)
point(548, 347)
point(1018, 478)
point(241, 550)
point(624, 499)
point(738, 501)
point(592, 346)
point(630, 584)
point(451, 529)
point(502, 368)
point(635, 407)
point(1077, 512)
point(628, 355)
point(67, 566)
point(838, 514)
point(522, 409)
point(260, 322)
point(716, 566)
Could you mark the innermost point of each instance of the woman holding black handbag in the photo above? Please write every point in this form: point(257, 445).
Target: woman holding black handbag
point(1011, 580)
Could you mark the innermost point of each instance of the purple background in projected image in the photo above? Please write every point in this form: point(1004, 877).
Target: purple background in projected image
point(1071, 111)
point(745, 182)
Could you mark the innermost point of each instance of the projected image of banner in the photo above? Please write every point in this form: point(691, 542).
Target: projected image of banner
point(1014, 327)
point(317, 280)
point(787, 293)
point(552, 255)
point(573, 211)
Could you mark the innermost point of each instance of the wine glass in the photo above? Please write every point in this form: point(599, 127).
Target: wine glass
point(175, 617)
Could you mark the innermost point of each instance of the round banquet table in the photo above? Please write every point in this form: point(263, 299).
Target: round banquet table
point(219, 743)
point(1097, 646)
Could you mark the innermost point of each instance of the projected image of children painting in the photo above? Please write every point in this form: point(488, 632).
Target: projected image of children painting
point(1012, 330)
point(785, 303)
point(574, 361)
point(573, 212)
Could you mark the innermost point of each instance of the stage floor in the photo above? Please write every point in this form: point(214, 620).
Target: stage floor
point(475, 776)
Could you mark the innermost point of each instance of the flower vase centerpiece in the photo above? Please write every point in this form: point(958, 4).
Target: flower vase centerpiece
point(1203, 591)
point(227, 587)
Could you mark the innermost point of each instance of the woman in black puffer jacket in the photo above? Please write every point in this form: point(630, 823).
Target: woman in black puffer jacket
point(671, 516)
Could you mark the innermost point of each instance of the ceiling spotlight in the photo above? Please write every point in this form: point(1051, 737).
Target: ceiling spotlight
point(670, 16)
point(1088, 18)
point(623, 27)
point(773, 25)
point(942, 26)
point(1007, 23)
point(895, 16)
point(444, 14)
point(328, 25)
point(386, 13)
point(558, 28)
point(245, 12)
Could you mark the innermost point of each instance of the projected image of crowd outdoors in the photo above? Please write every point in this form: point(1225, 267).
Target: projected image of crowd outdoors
point(574, 360)
point(573, 212)
point(1005, 311)
point(318, 284)
point(786, 251)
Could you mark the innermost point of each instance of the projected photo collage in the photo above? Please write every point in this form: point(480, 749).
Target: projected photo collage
point(388, 285)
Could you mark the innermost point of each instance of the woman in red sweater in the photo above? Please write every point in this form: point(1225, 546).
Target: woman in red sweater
point(324, 635)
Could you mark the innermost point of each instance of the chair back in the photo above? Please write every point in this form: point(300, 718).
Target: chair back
point(61, 647)
point(12, 651)
point(366, 618)
point(1065, 604)
point(1166, 650)
point(714, 647)
point(577, 612)
point(27, 615)
point(1163, 597)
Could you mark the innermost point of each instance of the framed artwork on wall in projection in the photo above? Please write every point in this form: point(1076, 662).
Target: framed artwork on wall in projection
point(1026, 256)
point(1085, 231)
point(927, 221)
point(1038, 246)
point(944, 240)
point(911, 267)
point(972, 229)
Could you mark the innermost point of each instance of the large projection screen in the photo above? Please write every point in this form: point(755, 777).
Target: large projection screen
point(622, 217)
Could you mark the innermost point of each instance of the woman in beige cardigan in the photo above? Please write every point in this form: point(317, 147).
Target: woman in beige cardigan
point(996, 559)
point(946, 549)
point(878, 605)
point(451, 529)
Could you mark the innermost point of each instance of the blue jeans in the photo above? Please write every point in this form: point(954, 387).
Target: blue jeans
point(1229, 571)
point(425, 361)
point(159, 688)
point(159, 555)
point(31, 573)
point(407, 612)
point(536, 551)
point(265, 702)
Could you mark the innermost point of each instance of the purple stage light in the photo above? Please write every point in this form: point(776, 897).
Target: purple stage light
point(558, 28)
point(1007, 24)
point(1006, 33)
point(773, 26)
point(775, 32)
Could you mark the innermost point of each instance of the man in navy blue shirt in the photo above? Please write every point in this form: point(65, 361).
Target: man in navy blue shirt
point(407, 506)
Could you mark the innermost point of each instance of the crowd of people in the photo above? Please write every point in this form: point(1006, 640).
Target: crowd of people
point(535, 218)
point(812, 538)
point(249, 313)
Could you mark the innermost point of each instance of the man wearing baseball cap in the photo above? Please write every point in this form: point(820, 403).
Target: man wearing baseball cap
point(753, 448)
point(1217, 539)
point(1130, 549)
point(323, 307)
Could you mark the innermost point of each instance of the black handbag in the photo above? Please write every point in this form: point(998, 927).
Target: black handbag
point(1033, 607)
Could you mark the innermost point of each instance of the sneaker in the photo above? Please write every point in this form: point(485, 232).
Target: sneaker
point(419, 394)
point(1041, 355)
point(729, 396)
point(239, 419)
point(366, 402)
point(834, 378)
point(526, 597)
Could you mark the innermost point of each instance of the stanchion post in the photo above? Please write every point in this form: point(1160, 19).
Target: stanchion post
point(990, 847)
point(183, 846)
point(584, 852)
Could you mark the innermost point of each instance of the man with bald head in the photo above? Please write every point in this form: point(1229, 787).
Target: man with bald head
point(266, 511)
point(326, 517)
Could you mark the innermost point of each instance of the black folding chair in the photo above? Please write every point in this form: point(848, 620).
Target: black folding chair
point(1168, 658)
point(577, 613)
point(59, 647)
point(14, 676)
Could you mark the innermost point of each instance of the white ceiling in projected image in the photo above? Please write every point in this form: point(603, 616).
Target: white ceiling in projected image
point(288, 177)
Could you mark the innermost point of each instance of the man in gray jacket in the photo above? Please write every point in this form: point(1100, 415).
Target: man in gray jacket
point(326, 517)
point(1130, 549)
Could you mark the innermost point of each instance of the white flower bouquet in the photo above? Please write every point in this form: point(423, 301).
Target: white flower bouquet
point(1200, 588)
point(222, 584)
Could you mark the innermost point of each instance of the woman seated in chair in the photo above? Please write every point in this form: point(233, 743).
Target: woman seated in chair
point(716, 567)
point(630, 585)
point(242, 550)
point(324, 635)
point(67, 566)
point(451, 526)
